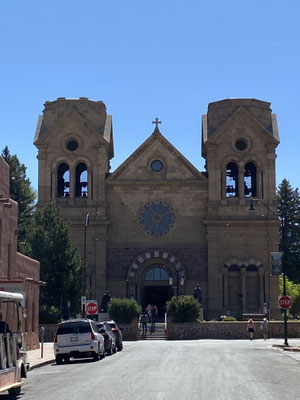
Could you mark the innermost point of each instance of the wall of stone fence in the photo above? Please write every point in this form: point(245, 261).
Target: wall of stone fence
point(227, 330)
point(129, 331)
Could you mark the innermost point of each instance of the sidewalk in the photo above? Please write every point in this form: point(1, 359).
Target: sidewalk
point(34, 356)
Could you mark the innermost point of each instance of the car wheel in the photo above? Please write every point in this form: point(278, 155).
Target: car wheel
point(66, 359)
point(120, 347)
point(102, 355)
point(109, 351)
point(15, 391)
point(114, 350)
point(59, 359)
point(96, 356)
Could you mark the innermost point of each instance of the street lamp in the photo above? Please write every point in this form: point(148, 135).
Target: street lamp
point(241, 302)
point(87, 221)
point(282, 261)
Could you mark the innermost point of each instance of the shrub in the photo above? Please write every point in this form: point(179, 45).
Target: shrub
point(183, 309)
point(49, 315)
point(123, 310)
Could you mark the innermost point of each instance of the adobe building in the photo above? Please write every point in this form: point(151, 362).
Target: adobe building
point(18, 273)
point(157, 226)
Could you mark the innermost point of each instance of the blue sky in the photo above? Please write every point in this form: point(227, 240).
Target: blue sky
point(147, 59)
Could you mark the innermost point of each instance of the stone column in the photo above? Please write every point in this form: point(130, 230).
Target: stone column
point(244, 291)
point(261, 288)
point(241, 166)
point(225, 282)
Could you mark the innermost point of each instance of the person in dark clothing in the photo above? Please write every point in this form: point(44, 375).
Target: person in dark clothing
point(105, 300)
point(4, 328)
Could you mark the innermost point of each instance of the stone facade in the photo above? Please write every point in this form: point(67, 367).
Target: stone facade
point(18, 273)
point(158, 226)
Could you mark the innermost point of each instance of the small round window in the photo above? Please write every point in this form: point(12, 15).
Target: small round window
point(72, 145)
point(157, 165)
point(241, 144)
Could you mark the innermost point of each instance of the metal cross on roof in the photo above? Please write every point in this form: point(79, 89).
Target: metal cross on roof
point(156, 122)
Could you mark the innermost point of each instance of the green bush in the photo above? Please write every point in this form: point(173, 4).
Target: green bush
point(49, 315)
point(123, 310)
point(183, 309)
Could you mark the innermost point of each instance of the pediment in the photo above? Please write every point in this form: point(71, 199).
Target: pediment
point(137, 167)
point(239, 120)
point(71, 122)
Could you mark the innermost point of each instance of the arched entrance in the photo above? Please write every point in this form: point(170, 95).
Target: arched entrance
point(153, 278)
point(155, 287)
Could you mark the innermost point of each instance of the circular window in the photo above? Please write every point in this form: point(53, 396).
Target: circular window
point(241, 144)
point(157, 218)
point(157, 165)
point(72, 145)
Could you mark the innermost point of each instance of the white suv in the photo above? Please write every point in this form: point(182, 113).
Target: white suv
point(78, 338)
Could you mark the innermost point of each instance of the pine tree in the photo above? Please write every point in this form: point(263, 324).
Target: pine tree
point(289, 212)
point(61, 264)
point(20, 191)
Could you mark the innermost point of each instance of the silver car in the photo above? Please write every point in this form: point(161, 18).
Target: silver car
point(78, 338)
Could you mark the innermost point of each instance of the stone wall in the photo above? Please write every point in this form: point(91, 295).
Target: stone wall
point(227, 330)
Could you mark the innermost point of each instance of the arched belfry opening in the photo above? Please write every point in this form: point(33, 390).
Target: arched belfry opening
point(63, 180)
point(81, 180)
point(250, 180)
point(232, 177)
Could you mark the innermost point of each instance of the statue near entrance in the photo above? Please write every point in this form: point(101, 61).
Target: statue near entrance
point(105, 300)
point(198, 293)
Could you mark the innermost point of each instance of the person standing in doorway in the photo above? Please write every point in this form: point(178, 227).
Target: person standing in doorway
point(153, 318)
point(250, 328)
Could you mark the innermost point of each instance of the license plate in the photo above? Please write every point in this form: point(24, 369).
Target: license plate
point(74, 339)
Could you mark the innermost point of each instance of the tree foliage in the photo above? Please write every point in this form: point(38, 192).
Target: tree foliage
point(289, 211)
point(292, 290)
point(61, 266)
point(21, 191)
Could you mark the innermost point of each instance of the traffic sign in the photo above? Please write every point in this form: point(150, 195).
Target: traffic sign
point(285, 302)
point(91, 307)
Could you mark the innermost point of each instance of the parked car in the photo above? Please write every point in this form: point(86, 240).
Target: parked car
point(109, 338)
point(78, 338)
point(117, 331)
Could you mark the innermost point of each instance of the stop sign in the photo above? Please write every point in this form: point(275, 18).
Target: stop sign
point(91, 308)
point(285, 302)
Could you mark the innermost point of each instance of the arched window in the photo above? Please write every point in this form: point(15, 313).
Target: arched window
point(232, 177)
point(81, 181)
point(233, 268)
point(250, 180)
point(63, 180)
point(156, 273)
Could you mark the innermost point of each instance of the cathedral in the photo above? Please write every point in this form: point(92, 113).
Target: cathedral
point(157, 226)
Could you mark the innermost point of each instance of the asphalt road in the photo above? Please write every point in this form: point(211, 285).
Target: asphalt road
point(160, 370)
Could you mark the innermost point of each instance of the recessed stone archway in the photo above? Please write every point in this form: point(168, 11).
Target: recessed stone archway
point(137, 269)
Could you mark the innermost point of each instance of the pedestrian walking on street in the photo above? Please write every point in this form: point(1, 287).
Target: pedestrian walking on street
point(250, 328)
point(265, 328)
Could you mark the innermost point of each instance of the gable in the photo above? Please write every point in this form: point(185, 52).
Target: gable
point(241, 124)
point(138, 166)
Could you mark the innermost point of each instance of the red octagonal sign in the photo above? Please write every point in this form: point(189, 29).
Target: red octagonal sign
point(91, 308)
point(285, 302)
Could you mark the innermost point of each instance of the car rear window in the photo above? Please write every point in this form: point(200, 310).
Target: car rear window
point(112, 325)
point(73, 327)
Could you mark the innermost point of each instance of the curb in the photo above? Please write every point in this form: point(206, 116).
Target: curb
point(41, 364)
point(286, 348)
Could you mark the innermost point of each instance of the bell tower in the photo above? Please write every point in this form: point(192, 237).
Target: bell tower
point(74, 138)
point(239, 140)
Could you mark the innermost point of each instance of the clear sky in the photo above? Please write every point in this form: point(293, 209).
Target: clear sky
point(147, 59)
